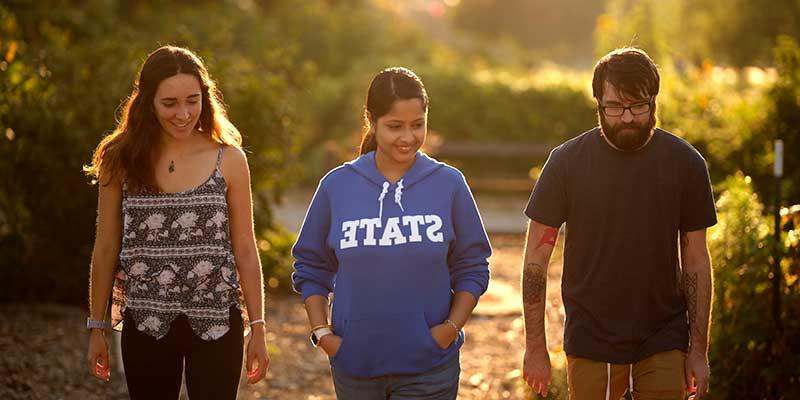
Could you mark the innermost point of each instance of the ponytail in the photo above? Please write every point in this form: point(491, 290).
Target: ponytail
point(368, 143)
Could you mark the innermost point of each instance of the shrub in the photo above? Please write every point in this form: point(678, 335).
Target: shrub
point(749, 358)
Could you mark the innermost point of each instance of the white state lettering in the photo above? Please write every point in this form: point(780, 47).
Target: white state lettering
point(366, 231)
point(433, 231)
point(392, 233)
point(413, 221)
point(369, 224)
point(349, 228)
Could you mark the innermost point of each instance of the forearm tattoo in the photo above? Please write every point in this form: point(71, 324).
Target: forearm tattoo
point(690, 291)
point(534, 283)
point(549, 236)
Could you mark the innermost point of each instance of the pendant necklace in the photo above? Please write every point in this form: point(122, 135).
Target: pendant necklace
point(171, 166)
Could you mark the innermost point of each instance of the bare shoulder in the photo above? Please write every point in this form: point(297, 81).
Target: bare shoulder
point(108, 181)
point(234, 164)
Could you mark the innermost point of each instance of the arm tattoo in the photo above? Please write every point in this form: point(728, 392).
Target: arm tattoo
point(690, 291)
point(548, 237)
point(534, 283)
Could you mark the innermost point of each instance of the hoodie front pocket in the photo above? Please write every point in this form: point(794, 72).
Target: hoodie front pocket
point(395, 344)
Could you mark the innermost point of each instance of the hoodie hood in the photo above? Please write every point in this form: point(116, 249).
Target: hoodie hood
point(365, 166)
point(423, 166)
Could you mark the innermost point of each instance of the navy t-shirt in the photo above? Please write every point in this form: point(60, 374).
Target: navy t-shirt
point(623, 212)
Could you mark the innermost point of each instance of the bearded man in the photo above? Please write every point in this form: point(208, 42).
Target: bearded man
point(636, 201)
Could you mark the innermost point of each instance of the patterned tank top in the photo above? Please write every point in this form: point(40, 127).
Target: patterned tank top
point(175, 259)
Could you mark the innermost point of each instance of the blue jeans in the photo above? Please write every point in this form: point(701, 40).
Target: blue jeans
point(440, 383)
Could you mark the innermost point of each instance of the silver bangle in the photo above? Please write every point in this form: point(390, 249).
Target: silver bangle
point(258, 321)
point(96, 324)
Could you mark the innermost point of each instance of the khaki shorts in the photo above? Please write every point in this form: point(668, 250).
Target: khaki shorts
point(658, 377)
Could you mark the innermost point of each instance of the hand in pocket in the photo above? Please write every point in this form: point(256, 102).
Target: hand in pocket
point(331, 344)
point(444, 335)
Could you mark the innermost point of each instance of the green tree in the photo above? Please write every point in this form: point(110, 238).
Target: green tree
point(63, 73)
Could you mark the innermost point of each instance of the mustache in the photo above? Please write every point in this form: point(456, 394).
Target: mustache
point(630, 125)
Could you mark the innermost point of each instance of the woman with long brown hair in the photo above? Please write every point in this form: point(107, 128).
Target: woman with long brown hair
point(175, 246)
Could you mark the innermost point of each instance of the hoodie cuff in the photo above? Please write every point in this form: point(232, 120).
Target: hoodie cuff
point(471, 287)
point(310, 288)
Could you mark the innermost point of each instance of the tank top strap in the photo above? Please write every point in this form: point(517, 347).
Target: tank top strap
point(219, 157)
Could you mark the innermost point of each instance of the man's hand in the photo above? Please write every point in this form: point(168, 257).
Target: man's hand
point(697, 373)
point(536, 370)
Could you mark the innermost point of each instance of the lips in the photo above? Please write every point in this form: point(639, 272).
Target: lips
point(180, 125)
point(405, 149)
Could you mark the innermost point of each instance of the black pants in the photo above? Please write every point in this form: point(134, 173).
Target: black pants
point(154, 368)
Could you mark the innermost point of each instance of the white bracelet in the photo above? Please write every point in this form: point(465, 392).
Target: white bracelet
point(453, 324)
point(258, 321)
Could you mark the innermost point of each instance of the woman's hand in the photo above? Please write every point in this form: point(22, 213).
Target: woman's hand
point(257, 357)
point(97, 356)
point(444, 335)
point(330, 344)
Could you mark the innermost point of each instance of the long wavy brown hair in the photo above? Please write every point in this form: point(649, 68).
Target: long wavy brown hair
point(129, 152)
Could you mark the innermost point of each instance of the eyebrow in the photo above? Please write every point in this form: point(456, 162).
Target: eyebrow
point(616, 102)
point(193, 96)
point(421, 119)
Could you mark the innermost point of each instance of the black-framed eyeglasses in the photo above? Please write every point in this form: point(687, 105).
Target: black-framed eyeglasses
point(635, 109)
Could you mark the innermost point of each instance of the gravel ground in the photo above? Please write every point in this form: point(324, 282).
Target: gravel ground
point(43, 347)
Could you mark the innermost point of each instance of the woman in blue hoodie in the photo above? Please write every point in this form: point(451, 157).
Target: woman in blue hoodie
point(397, 237)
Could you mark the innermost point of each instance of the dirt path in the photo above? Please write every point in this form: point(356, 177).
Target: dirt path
point(43, 347)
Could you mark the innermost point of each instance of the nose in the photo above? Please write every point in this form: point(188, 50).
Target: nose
point(408, 134)
point(627, 115)
point(183, 113)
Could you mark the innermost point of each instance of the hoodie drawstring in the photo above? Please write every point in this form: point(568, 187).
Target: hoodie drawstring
point(380, 199)
point(398, 195)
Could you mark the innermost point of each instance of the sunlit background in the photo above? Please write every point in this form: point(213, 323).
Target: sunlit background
point(508, 80)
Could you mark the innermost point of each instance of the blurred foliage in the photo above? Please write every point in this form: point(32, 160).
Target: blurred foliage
point(749, 357)
point(737, 33)
point(783, 119)
point(64, 71)
point(562, 34)
point(648, 24)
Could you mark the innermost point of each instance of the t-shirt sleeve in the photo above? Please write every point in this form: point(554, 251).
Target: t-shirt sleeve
point(697, 201)
point(548, 202)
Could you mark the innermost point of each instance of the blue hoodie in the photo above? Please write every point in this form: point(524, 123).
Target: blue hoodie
point(393, 254)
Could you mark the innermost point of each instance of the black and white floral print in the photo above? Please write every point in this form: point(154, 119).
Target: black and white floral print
point(176, 258)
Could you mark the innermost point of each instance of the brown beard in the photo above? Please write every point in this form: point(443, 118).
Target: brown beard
point(628, 142)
